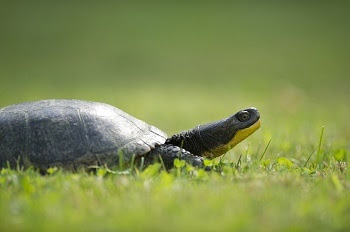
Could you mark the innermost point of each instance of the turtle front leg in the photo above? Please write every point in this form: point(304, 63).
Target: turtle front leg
point(168, 153)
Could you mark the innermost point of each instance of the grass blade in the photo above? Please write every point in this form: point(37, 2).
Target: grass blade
point(320, 142)
point(265, 150)
point(246, 151)
point(310, 156)
point(142, 164)
point(239, 161)
point(132, 162)
point(162, 162)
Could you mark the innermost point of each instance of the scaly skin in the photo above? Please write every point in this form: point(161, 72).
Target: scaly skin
point(189, 140)
point(168, 153)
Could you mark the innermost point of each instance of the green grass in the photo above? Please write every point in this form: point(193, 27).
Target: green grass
point(176, 65)
point(275, 194)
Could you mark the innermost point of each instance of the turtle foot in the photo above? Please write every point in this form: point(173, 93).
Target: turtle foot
point(168, 153)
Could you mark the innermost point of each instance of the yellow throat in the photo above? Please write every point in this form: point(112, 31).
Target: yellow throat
point(239, 137)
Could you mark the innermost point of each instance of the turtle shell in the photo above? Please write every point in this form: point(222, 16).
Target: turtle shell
point(72, 133)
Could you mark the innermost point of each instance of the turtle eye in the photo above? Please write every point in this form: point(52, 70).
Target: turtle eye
point(243, 116)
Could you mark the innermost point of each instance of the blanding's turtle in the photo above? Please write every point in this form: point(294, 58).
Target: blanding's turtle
point(76, 134)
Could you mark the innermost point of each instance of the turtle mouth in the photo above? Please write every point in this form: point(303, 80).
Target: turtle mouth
point(244, 133)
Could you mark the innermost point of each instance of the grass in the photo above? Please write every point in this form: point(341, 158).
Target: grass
point(177, 65)
point(274, 194)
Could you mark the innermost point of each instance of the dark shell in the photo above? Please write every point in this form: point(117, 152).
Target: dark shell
point(72, 133)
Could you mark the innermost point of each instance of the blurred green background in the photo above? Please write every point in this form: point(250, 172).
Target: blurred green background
point(176, 64)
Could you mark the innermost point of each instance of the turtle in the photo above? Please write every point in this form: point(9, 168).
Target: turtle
point(74, 134)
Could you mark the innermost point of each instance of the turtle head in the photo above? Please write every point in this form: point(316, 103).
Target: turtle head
point(220, 136)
